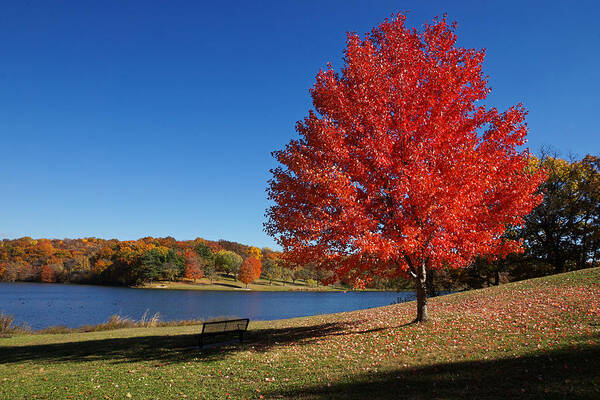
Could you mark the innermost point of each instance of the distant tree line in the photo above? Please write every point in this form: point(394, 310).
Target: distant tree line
point(114, 262)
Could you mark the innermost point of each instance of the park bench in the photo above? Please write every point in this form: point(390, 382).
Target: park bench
point(222, 328)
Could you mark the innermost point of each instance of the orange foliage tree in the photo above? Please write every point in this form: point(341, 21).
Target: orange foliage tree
point(400, 169)
point(193, 269)
point(249, 270)
point(48, 274)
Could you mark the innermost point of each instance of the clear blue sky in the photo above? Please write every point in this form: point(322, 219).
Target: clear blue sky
point(123, 119)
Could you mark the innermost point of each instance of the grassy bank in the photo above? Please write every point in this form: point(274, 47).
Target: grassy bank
point(228, 283)
point(531, 339)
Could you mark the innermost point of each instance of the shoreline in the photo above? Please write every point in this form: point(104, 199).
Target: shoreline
point(223, 285)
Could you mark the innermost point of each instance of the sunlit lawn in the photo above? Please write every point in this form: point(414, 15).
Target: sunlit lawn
point(533, 339)
point(228, 283)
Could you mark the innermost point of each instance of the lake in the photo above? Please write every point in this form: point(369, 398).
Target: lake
point(41, 305)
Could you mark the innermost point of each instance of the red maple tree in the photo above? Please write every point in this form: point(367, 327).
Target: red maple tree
point(400, 169)
point(250, 270)
point(193, 269)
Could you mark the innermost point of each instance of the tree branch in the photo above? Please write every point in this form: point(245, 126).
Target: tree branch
point(411, 267)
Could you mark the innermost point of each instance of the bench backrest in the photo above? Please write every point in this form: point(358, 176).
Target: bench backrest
point(226, 326)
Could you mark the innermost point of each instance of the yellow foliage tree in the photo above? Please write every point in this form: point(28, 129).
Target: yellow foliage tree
point(255, 252)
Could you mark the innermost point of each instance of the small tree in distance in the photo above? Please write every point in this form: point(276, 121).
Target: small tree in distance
point(193, 268)
point(400, 170)
point(228, 261)
point(270, 268)
point(209, 271)
point(249, 270)
point(206, 259)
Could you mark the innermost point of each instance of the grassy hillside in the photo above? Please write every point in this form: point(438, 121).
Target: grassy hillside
point(531, 339)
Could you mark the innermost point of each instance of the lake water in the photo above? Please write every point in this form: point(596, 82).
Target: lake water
point(42, 305)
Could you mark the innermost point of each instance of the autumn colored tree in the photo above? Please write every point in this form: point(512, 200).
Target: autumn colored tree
point(193, 268)
point(240, 249)
point(249, 270)
point(271, 267)
point(48, 274)
point(400, 169)
point(45, 250)
point(101, 265)
point(255, 252)
point(563, 232)
point(228, 261)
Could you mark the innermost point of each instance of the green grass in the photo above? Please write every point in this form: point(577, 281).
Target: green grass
point(530, 339)
point(228, 283)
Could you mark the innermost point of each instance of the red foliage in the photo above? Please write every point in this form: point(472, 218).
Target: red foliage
point(400, 169)
point(192, 265)
point(48, 274)
point(250, 270)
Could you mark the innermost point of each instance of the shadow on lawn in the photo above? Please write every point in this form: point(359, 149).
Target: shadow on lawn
point(229, 285)
point(560, 374)
point(173, 348)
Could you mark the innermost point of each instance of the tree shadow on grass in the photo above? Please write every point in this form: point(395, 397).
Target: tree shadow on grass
point(229, 285)
point(558, 374)
point(169, 348)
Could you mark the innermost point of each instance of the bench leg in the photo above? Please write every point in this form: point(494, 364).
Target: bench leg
point(201, 341)
point(241, 336)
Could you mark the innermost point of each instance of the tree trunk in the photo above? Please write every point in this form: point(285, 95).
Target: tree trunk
point(420, 280)
point(430, 284)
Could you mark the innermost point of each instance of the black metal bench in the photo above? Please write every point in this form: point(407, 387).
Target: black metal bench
point(220, 328)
